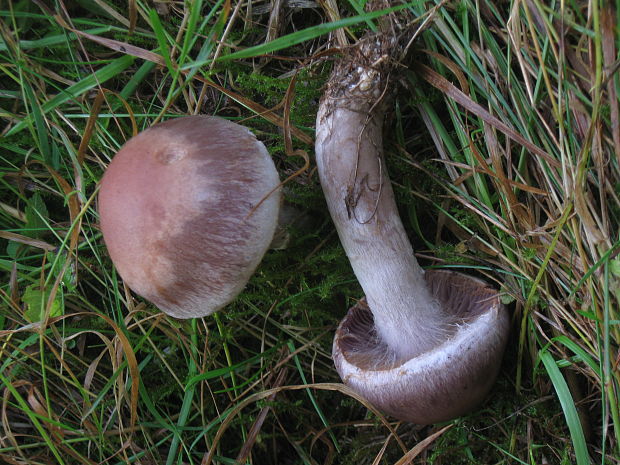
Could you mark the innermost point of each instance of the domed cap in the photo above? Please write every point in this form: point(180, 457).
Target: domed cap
point(440, 384)
point(188, 209)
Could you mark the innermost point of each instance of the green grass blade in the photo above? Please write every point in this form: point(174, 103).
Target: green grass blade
point(162, 39)
point(79, 88)
point(568, 407)
point(316, 405)
point(298, 37)
point(52, 41)
point(227, 371)
point(581, 354)
point(39, 125)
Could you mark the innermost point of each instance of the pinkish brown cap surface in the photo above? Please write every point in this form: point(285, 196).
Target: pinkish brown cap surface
point(188, 209)
point(440, 384)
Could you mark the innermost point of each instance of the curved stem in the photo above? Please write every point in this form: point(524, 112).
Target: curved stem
point(349, 153)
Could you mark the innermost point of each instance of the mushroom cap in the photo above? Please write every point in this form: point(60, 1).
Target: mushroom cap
point(442, 383)
point(187, 211)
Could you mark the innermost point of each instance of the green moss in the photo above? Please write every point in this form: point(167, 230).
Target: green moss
point(271, 90)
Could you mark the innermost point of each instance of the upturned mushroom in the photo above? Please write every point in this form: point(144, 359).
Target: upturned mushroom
point(423, 347)
point(188, 208)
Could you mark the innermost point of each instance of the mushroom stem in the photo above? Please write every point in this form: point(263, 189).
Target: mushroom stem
point(349, 155)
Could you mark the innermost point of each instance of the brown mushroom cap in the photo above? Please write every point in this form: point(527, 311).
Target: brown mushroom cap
point(442, 383)
point(187, 212)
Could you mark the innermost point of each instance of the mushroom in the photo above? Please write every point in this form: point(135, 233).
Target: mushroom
point(188, 208)
point(423, 347)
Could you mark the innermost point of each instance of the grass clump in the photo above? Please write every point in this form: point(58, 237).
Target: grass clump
point(504, 154)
